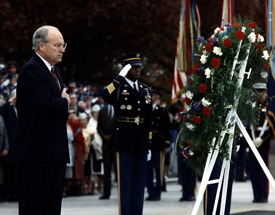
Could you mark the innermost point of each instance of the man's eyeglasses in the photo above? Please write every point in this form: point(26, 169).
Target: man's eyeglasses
point(71, 113)
point(58, 45)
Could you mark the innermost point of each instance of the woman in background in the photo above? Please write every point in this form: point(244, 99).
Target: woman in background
point(96, 152)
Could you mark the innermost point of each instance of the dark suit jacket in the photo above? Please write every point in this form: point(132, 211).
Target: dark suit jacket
point(4, 143)
point(10, 119)
point(104, 127)
point(42, 114)
point(129, 137)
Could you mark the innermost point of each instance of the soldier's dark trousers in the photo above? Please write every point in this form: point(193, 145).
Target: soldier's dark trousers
point(154, 165)
point(211, 190)
point(187, 178)
point(241, 162)
point(257, 176)
point(131, 183)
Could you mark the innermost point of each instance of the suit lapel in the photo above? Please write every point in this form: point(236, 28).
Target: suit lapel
point(48, 74)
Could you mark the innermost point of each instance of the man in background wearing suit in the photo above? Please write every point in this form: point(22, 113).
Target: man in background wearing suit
point(105, 127)
point(41, 140)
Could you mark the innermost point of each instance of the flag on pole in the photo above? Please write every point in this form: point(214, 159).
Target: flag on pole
point(227, 12)
point(270, 16)
point(189, 30)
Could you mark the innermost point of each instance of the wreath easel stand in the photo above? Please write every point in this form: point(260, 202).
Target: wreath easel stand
point(231, 120)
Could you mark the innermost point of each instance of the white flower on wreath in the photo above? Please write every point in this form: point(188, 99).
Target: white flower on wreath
point(264, 74)
point(217, 51)
point(190, 126)
point(252, 37)
point(243, 29)
point(203, 59)
point(217, 30)
point(205, 103)
point(207, 72)
point(260, 38)
point(189, 94)
point(266, 55)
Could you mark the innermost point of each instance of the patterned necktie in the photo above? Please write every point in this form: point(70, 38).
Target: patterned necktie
point(55, 78)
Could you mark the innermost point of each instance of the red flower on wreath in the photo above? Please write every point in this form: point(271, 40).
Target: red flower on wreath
point(196, 119)
point(206, 111)
point(252, 25)
point(203, 88)
point(190, 82)
point(208, 47)
point(237, 25)
point(187, 101)
point(189, 143)
point(185, 118)
point(266, 67)
point(215, 62)
point(259, 47)
point(227, 43)
point(196, 66)
point(240, 35)
point(222, 28)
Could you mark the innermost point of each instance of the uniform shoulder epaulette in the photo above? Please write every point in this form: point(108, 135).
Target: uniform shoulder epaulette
point(144, 85)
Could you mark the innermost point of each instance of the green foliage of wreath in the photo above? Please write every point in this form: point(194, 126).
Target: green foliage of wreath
point(211, 91)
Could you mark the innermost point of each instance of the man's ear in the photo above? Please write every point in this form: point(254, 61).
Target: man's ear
point(41, 46)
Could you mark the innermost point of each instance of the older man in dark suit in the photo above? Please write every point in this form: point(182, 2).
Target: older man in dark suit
point(42, 105)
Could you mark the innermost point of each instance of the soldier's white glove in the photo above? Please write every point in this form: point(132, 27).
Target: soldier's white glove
point(149, 155)
point(258, 142)
point(125, 70)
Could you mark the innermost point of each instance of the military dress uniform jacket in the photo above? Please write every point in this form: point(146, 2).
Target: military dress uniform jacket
point(133, 108)
point(160, 128)
point(268, 134)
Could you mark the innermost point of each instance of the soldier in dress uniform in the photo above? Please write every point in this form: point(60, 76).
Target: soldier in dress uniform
point(160, 144)
point(133, 106)
point(261, 135)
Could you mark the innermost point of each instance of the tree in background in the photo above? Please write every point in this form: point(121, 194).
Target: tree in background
point(98, 32)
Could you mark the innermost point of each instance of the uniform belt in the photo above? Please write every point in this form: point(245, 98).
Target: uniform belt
point(136, 120)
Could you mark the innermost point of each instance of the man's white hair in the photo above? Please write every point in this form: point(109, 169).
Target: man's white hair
point(41, 35)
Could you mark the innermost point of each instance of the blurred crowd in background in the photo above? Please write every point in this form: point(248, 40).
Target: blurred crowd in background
point(85, 172)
